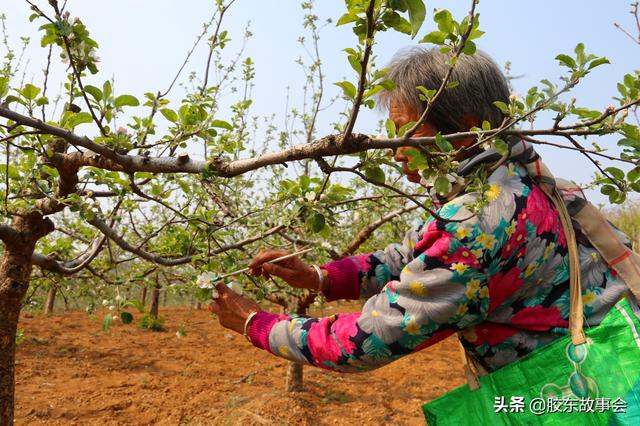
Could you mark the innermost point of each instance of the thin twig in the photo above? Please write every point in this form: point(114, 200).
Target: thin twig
point(363, 70)
point(214, 40)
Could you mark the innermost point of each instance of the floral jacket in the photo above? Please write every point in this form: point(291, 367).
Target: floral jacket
point(498, 278)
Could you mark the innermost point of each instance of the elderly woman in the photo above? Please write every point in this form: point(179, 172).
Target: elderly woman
point(498, 278)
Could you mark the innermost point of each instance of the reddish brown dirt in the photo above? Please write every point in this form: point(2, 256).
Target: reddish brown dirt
point(70, 372)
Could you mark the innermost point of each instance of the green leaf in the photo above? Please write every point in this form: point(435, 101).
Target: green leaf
point(633, 174)
point(348, 88)
point(126, 100)
point(317, 222)
point(106, 89)
point(501, 146)
point(469, 48)
point(417, 161)
point(405, 127)
point(13, 172)
point(607, 189)
point(4, 86)
point(94, 92)
point(305, 181)
point(390, 125)
point(51, 171)
point(106, 322)
point(222, 124)
point(126, 317)
point(48, 39)
point(397, 22)
point(79, 118)
point(452, 84)
point(628, 80)
point(417, 13)
point(375, 173)
point(442, 143)
point(502, 107)
point(615, 172)
point(442, 185)
point(579, 51)
point(435, 37)
point(136, 304)
point(372, 92)
point(428, 93)
point(387, 84)
point(42, 100)
point(203, 294)
point(355, 63)
point(444, 20)
point(346, 18)
point(598, 62)
point(29, 91)
point(566, 60)
point(9, 99)
point(169, 114)
point(400, 5)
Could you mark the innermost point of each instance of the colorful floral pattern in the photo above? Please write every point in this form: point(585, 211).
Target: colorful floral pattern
point(499, 279)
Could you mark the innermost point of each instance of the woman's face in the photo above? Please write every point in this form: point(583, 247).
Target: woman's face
point(401, 115)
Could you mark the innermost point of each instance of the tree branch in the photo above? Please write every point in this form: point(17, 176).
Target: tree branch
point(50, 262)
point(368, 230)
point(165, 261)
point(9, 235)
point(108, 159)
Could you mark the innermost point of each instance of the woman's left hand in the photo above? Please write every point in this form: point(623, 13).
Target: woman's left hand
point(231, 308)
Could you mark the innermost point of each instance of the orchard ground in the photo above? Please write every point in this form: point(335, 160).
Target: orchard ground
point(68, 371)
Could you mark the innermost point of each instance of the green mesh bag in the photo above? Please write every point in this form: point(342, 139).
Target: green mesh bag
point(596, 383)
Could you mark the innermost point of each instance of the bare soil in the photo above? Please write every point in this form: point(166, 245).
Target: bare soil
point(70, 372)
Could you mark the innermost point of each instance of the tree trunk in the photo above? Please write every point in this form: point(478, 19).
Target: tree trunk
point(294, 377)
point(295, 374)
point(51, 300)
point(15, 271)
point(155, 301)
point(143, 296)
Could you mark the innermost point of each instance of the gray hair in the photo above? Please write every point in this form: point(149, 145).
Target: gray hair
point(481, 82)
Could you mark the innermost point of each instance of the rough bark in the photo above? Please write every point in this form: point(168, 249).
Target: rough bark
point(294, 377)
point(14, 282)
point(51, 300)
point(155, 301)
point(143, 296)
point(15, 271)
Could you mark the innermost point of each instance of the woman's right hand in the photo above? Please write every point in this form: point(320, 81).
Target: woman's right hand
point(293, 271)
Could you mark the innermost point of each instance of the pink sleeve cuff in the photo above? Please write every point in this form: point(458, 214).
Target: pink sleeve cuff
point(260, 326)
point(344, 280)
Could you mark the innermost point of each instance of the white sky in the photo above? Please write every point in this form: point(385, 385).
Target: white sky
point(143, 43)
